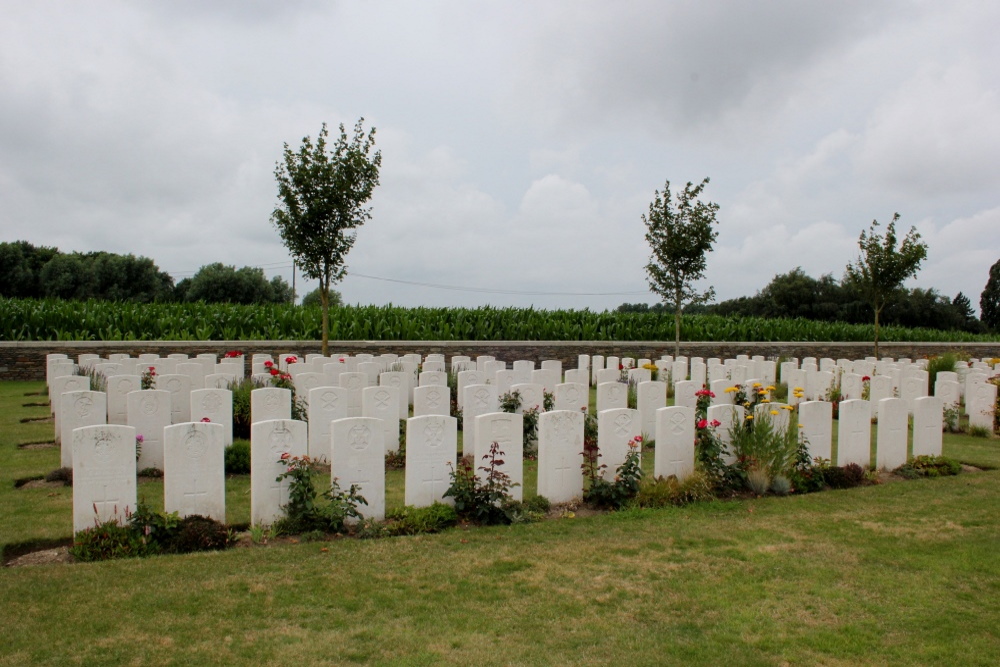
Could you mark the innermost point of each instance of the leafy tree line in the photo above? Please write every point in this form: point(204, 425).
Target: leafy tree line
point(39, 272)
point(796, 294)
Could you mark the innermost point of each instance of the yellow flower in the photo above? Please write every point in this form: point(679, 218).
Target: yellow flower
point(802, 425)
point(749, 417)
point(774, 412)
point(769, 387)
point(766, 400)
point(732, 389)
point(799, 389)
point(787, 407)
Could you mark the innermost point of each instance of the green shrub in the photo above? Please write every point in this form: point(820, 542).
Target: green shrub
point(667, 491)
point(199, 533)
point(237, 458)
point(612, 495)
point(845, 477)
point(109, 540)
point(929, 466)
point(417, 520)
point(977, 431)
point(487, 500)
point(309, 510)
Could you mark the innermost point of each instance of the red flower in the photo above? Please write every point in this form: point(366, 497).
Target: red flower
point(704, 392)
point(865, 379)
point(291, 360)
point(638, 438)
point(715, 423)
point(621, 367)
point(275, 371)
point(284, 456)
point(206, 420)
point(268, 363)
point(702, 423)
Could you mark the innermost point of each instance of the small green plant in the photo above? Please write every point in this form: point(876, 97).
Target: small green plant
point(260, 534)
point(668, 491)
point(241, 406)
point(951, 418)
point(612, 495)
point(410, 520)
point(109, 540)
point(979, 431)
point(781, 485)
point(935, 365)
point(237, 458)
point(483, 500)
point(147, 379)
point(762, 447)
point(929, 466)
point(307, 509)
point(758, 479)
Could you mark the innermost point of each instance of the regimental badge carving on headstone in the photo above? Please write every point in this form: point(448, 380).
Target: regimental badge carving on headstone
point(83, 406)
point(148, 405)
point(280, 441)
point(434, 434)
point(104, 447)
point(271, 400)
point(195, 444)
point(360, 437)
point(329, 400)
point(622, 424)
point(677, 423)
point(211, 403)
point(482, 397)
point(382, 400)
point(433, 399)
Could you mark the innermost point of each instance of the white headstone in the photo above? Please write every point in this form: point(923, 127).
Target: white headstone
point(270, 403)
point(616, 429)
point(547, 377)
point(359, 459)
point(684, 394)
point(891, 438)
point(611, 396)
point(382, 403)
point(194, 469)
point(674, 449)
point(431, 400)
point(179, 386)
point(816, 419)
point(466, 378)
point(560, 455)
point(479, 400)
point(119, 388)
point(507, 430)
point(215, 405)
point(431, 455)
point(148, 412)
point(326, 404)
point(854, 434)
point(103, 475)
point(79, 409)
point(927, 426)
point(729, 417)
point(572, 396)
point(269, 441)
point(650, 397)
point(981, 400)
point(531, 396)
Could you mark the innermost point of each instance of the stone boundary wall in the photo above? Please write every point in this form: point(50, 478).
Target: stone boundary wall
point(26, 360)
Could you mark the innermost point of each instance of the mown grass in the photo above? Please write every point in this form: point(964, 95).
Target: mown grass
point(901, 573)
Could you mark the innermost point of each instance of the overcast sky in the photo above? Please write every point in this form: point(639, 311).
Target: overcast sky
point(521, 141)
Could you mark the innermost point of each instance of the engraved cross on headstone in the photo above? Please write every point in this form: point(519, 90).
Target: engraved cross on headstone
point(101, 504)
point(191, 498)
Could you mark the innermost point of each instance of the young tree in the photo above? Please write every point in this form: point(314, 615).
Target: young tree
point(679, 237)
point(322, 196)
point(881, 269)
point(989, 301)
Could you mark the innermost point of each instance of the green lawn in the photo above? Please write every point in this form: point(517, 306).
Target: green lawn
point(901, 573)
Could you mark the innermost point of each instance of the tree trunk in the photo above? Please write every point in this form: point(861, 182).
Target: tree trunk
point(677, 327)
point(877, 312)
point(324, 298)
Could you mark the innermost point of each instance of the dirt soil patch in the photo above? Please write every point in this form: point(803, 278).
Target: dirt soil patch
point(37, 445)
point(44, 557)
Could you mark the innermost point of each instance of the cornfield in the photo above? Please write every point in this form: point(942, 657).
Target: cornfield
point(36, 320)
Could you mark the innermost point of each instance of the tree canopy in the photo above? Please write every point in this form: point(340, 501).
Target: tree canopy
point(680, 236)
point(218, 283)
point(321, 200)
point(989, 300)
point(880, 270)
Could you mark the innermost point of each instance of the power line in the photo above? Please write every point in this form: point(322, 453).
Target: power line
point(485, 290)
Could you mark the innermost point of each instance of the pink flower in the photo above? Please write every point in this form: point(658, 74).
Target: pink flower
point(291, 360)
point(702, 423)
point(206, 420)
point(285, 456)
point(638, 438)
point(715, 423)
point(139, 438)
